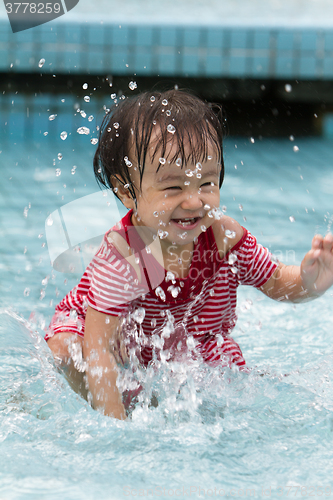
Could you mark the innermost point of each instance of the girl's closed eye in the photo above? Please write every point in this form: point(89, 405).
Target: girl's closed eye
point(172, 187)
point(209, 184)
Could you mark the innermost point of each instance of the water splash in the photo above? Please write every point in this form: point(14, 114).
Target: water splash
point(83, 131)
point(133, 85)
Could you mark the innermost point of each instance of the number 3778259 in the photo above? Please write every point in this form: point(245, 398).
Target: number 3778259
point(32, 8)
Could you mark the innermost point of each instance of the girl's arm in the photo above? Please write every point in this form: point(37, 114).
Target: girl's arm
point(307, 281)
point(101, 332)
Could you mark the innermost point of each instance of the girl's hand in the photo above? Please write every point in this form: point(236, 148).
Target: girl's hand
point(317, 265)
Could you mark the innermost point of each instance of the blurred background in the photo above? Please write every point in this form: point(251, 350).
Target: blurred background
point(269, 62)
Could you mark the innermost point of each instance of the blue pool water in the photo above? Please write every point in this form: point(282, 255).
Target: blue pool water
point(224, 434)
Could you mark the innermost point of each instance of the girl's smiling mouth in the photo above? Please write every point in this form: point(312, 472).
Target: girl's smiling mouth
point(186, 222)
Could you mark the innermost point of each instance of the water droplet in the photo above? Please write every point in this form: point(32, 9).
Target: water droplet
point(155, 214)
point(190, 342)
point(26, 292)
point(58, 172)
point(230, 234)
point(296, 148)
point(116, 125)
point(41, 63)
point(162, 234)
point(59, 156)
point(46, 133)
point(86, 98)
point(94, 140)
point(49, 221)
point(179, 162)
point(174, 290)
point(139, 315)
point(291, 138)
point(164, 102)
point(132, 85)
point(83, 113)
point(171, 129)
point(160, 293)
point(25, 212)
point(189, 172)
point(292, 218)
point(90, 118)
point(183, 235)
point(128, 163)
point(203, 228)
point(40, 235)
point(52, 117)
point(148, 250)
point(73, 170)
point(162, 161)
point(170, 277)
point(153, 98)
point(288, 87)
point(85, 86)
point(232, 258)
point(198, 175)
point(168, 112)
point(240, 207)
point(83, 131)
point(207, 207)
point(63, 135)
point(252, 140)
point(113, 96)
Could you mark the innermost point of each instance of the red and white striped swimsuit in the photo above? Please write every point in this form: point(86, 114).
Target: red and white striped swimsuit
point(205, 305)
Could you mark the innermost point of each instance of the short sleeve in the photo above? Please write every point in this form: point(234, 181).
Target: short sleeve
point(113, 284)
point(253, 263)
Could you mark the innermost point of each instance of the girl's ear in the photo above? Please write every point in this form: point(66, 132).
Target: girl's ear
point(123, 193)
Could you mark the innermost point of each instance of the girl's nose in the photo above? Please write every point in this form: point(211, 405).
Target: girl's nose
point(192, 201)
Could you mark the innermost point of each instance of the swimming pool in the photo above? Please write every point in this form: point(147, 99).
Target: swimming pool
point(226, 434)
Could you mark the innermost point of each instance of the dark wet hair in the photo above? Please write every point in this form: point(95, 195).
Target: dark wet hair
point(177, 116)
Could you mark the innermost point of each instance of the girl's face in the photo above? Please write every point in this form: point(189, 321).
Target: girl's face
point(176, 202)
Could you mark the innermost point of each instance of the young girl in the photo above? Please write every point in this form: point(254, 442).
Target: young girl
point(164, 280)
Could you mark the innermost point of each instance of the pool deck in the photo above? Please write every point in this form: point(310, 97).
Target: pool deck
point(261, 39)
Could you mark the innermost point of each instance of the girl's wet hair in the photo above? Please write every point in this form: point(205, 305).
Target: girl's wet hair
point(125, 138)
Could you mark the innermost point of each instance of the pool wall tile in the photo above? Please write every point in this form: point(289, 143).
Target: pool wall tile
point(285, 40)
point(284, 66)
point(328, 41)
point(215, 38)
point(261, 39)
point(307, 66)
point(309, 41)
point(145, 49)
point(168, 36)
point(239, 39)
point(144, 37)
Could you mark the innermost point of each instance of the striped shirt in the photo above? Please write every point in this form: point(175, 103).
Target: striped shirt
point(195, 313)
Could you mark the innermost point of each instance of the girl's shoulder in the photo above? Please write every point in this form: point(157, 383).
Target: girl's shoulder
point(227, 233)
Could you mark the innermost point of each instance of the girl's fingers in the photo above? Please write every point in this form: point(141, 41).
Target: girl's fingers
point(317, 241)
point(328, 243)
